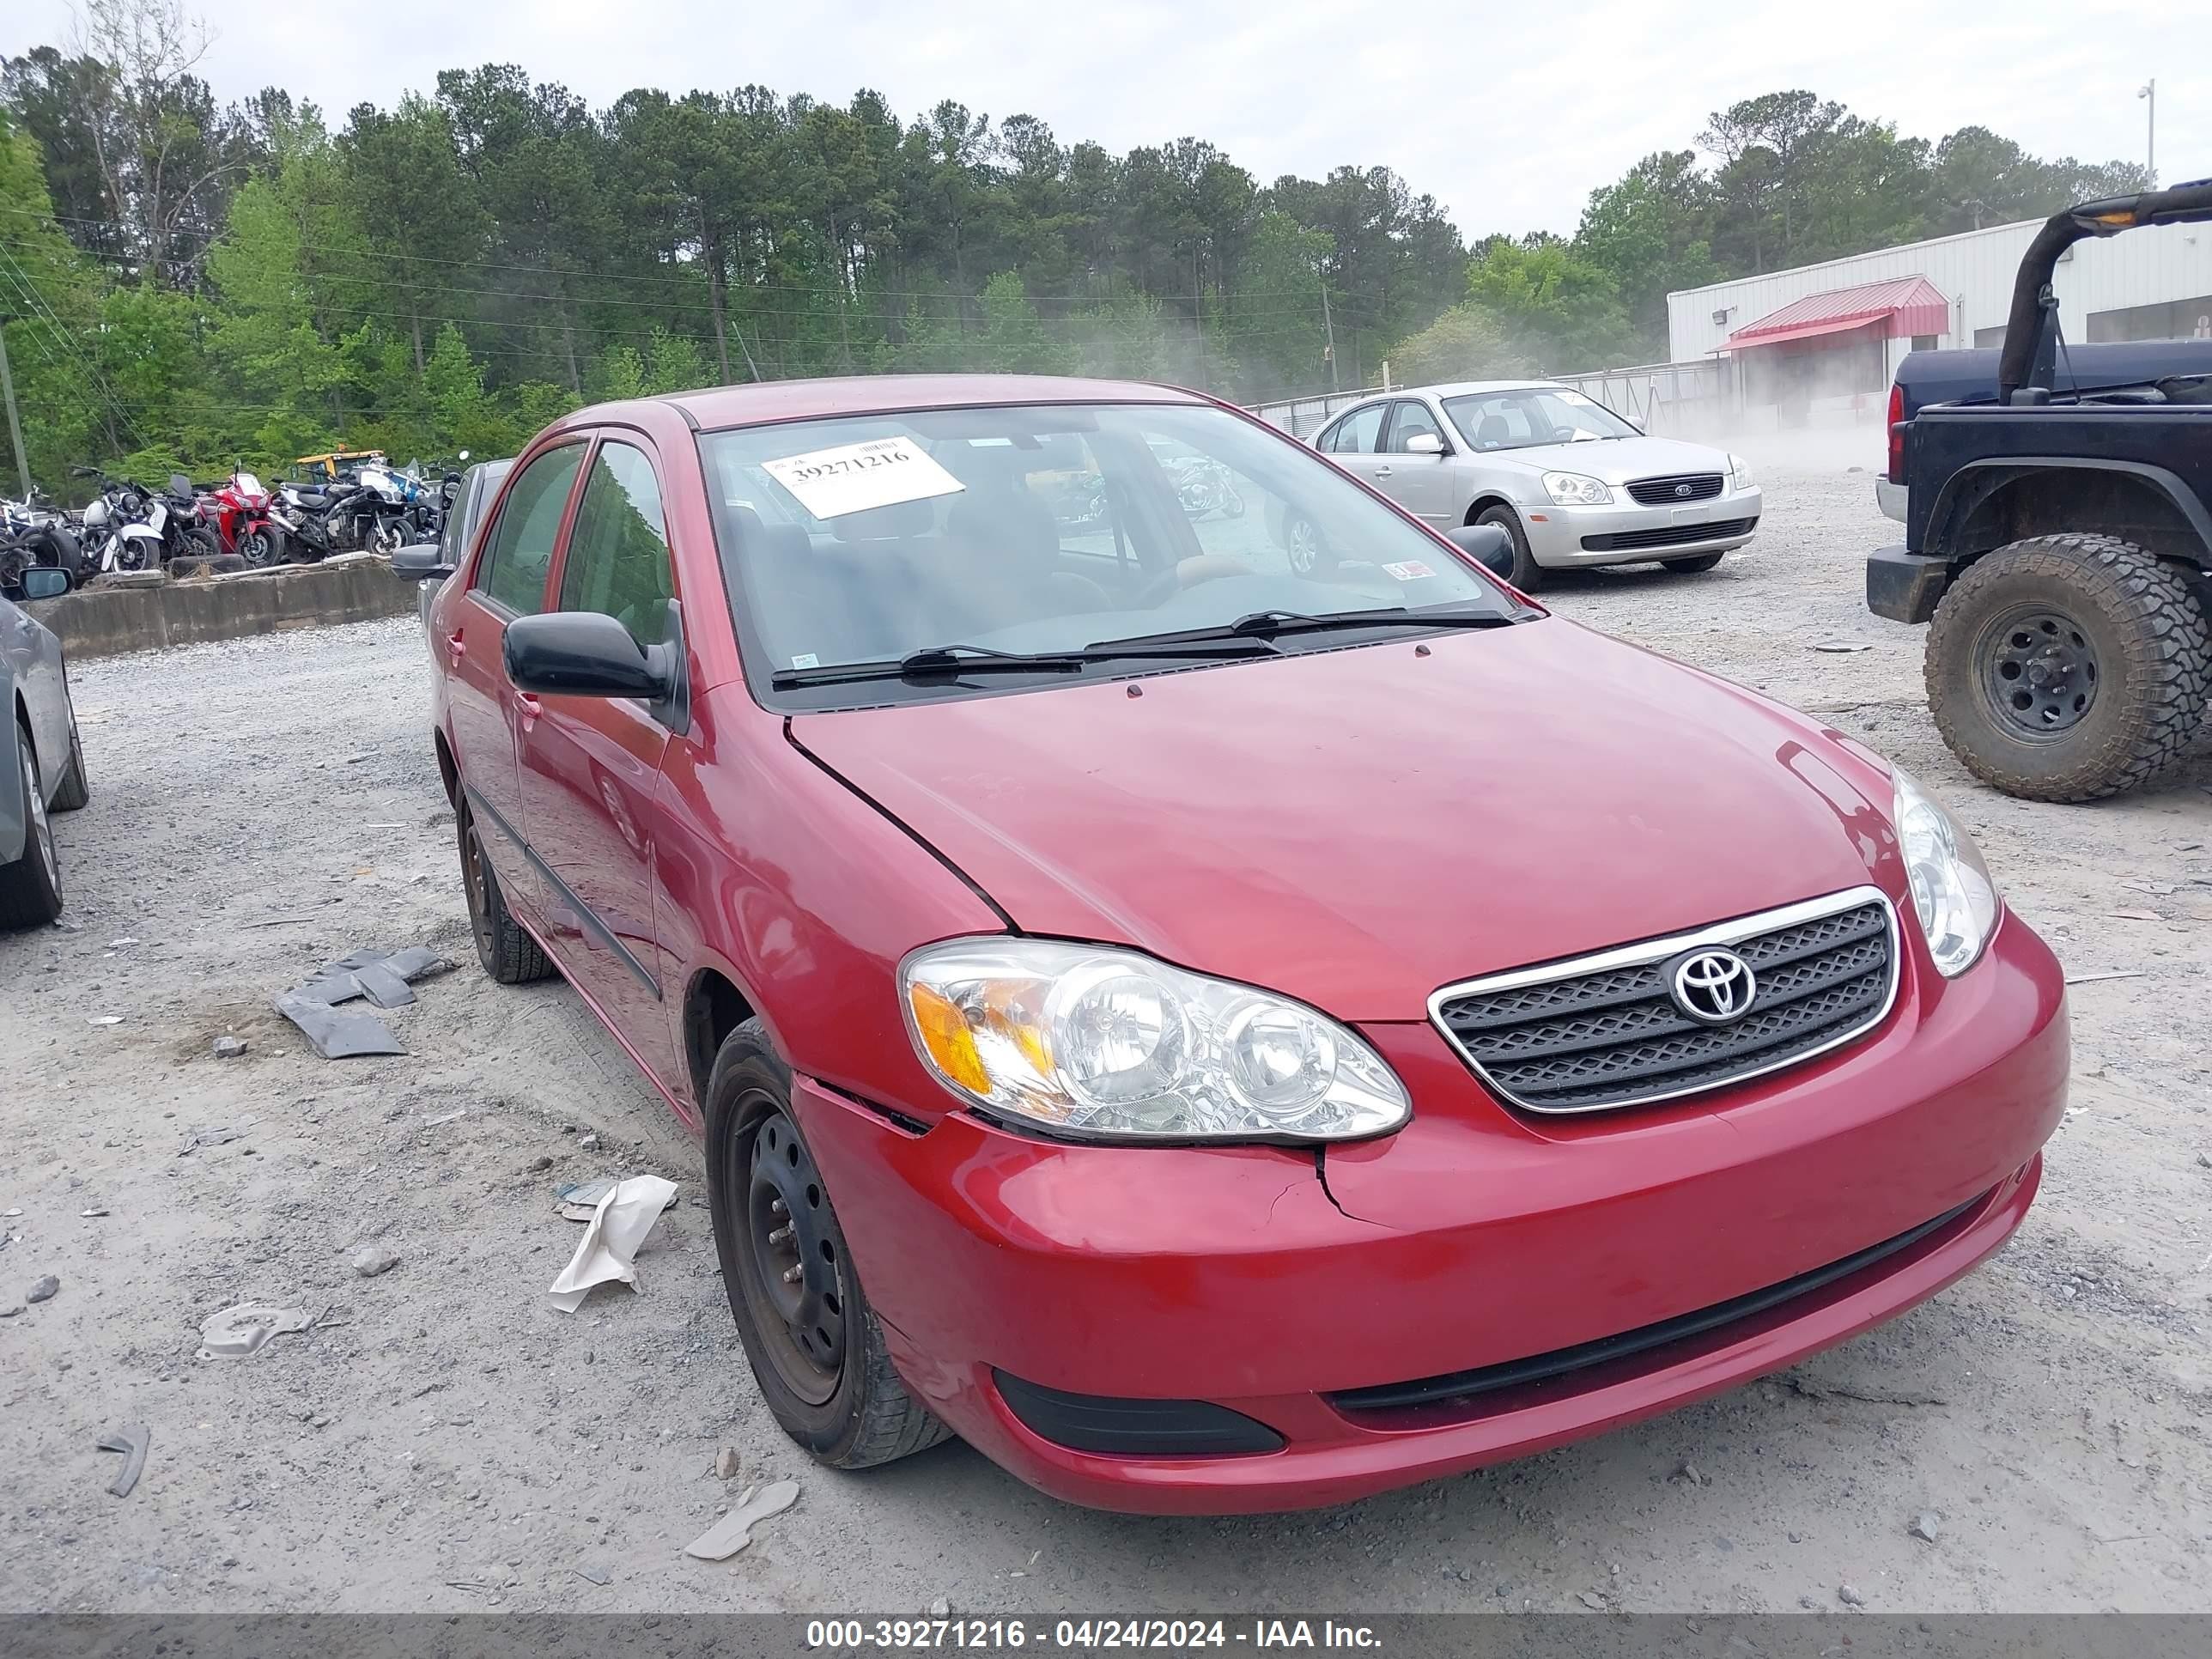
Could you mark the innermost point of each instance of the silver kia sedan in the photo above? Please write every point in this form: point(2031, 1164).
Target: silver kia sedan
point(1571, 482)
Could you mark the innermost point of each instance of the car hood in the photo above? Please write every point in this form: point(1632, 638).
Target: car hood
point(1357, 827)
point(1616, 460)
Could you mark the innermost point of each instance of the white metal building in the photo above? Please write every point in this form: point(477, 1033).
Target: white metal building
point(1830, 359)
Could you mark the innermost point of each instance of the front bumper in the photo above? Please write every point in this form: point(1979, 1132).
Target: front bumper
point(1470, 1238)
point(1559, 537)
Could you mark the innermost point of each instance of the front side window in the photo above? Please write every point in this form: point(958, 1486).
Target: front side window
point(521, 551)
point(617, 561)
point(1026, 531)
point(1408, 418)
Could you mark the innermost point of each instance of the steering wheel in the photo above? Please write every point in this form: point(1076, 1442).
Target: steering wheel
point(1189, 572)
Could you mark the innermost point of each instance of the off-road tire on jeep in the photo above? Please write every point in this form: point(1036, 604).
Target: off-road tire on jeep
point(1695, 563)
point(1527, 575)
point(2126, 638)
point(834, 1391)
point(504, 946)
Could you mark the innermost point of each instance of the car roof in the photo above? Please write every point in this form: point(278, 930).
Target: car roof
point(1462, 388)
point(885, 394)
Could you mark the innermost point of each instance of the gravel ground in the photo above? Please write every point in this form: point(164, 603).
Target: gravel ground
point(444, 1441)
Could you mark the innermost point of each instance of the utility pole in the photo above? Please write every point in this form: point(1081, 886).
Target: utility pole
point(2149, 91)
point(14, 426)
point(1328, 332)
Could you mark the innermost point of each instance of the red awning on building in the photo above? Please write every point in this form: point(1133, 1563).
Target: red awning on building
point(1899, 308)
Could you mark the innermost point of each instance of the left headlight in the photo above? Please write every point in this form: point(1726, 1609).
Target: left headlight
point(1740, 471)
point(1951, 891)
point(1086, 1040)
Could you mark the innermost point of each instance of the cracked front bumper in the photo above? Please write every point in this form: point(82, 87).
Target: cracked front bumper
point(1471, 1237)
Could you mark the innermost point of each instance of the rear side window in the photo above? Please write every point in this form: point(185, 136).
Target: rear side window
point(617, 561)
point(1356, 432)
point(522, 545)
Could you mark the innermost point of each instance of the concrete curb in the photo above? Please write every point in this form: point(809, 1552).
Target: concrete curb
point(104, 620)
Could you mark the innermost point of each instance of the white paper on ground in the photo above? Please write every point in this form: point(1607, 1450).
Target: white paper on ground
point(610, 1242)
point(735, 1530)
point(853, 477)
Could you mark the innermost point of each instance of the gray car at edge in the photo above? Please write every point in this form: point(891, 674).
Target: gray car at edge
point(42, 769)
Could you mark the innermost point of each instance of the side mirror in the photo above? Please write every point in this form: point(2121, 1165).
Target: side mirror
point(1487, 544)
point(586, 653)
point(46, 582)
point(421, 562)
point(1424, 443)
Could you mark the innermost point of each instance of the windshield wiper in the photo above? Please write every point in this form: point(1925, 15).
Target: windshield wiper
point(958, 661)
point(1271, 624)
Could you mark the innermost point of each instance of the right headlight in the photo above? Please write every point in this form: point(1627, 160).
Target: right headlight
point(1951, 891)
point(1573, 489)
point(1087, 1040)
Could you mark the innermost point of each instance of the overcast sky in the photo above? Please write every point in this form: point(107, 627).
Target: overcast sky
point(1509, 114)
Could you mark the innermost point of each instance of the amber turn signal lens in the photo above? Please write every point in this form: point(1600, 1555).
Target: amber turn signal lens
point(943, 1032)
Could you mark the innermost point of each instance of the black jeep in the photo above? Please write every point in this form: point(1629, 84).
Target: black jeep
point(2059, 537)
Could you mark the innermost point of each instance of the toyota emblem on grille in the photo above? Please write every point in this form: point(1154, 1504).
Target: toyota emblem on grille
point(1713, 987)
point(1682, 489)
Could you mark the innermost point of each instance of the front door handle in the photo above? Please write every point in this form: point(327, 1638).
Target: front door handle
point(529, 706)
point(455, 642)
point(1382, 471)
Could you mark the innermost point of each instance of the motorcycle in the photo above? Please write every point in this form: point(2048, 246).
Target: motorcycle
point(36, 533)
point(238, 511)
point(383, 509)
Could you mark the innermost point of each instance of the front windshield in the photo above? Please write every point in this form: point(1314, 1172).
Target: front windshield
point(248, 485)
point(1529, 415)
point(1048, 529)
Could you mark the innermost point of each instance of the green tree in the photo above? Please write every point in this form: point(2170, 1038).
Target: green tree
point(1466, 343)
point(1553, 304)
point(1651, 231)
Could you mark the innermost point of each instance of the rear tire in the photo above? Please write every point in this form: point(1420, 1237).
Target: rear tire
point(2068, 667)
point(505, 948)
point(31, 887)
point(1692, 566)
point(816, 1347)
point(1527, 575)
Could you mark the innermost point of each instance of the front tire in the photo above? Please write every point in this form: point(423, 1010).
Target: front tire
point(1527, 575)
point(816, 1347)
point(31, 887)
point(2068, 667)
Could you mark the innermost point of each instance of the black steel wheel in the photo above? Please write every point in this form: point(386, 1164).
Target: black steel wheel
point(2069, 667)
point(814, 1343)
point(2038, 671)
point(794, 1270)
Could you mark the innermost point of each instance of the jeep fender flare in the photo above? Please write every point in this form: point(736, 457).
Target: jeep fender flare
point(1977, 481)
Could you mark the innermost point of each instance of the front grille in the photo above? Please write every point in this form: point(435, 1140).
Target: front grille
point(1604, 1031)
point(1683, 487)
point(1668, 535)
point(1653, 1345)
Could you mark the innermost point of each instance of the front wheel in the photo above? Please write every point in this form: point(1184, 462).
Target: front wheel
point(31, 886)
point(2068, 667)
point(262, 546)
point(816, 1347)
point(1526, 575)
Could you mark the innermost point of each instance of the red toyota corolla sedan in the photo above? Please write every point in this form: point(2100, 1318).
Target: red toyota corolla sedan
point(1216, 1035)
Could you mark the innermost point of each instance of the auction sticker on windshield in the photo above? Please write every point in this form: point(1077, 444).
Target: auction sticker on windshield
point(853, 477)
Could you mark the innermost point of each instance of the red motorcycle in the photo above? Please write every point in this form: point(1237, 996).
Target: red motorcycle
point(238, 512)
